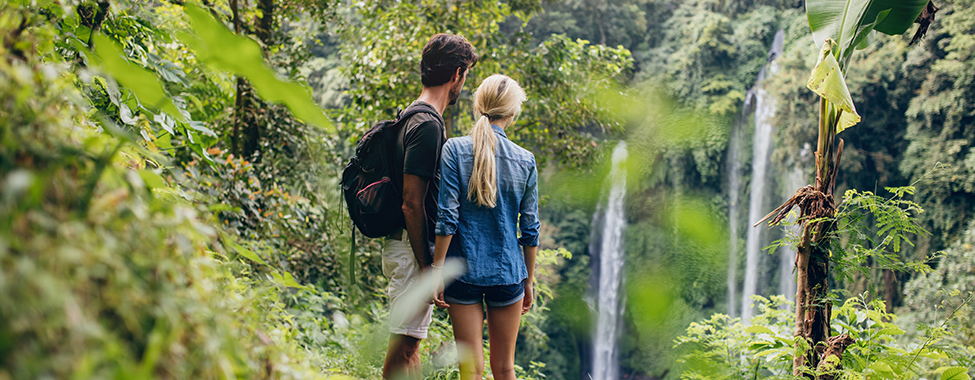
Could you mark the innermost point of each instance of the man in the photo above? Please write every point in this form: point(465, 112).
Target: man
point(408, 253)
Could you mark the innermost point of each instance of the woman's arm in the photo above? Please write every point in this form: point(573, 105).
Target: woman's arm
point(529, 252)
point(439, 256)
point(528, 221)
point(448, 206)
point(528, 210)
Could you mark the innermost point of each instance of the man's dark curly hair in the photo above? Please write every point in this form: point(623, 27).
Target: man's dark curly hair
point(442, 55)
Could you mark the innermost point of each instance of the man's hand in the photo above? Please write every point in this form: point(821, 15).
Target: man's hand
point(526, 303)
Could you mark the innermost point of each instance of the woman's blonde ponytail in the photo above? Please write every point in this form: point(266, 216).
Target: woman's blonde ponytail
point(482, 189)
point(497, 98)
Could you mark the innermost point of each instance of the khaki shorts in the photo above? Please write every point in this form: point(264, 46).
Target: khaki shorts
point(400, 267)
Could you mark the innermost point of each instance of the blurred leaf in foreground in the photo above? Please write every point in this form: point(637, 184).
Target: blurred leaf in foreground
point(220, 48)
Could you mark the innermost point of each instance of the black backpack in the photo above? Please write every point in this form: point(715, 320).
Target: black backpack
point(373, 194)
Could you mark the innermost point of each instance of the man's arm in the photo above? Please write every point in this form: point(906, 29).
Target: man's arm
point(414, 194)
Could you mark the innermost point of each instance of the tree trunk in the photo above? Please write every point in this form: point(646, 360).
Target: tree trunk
point(890, 290)
point(250, 107)
point(813, 307)
point(266, 21)
point(238, 113)
point(238, 96)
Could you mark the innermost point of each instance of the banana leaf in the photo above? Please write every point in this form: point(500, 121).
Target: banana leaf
point(850, 22)
point(827, 81)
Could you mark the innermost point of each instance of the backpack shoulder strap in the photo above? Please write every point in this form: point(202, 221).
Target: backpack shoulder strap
point(419, 108)
point(400, 123)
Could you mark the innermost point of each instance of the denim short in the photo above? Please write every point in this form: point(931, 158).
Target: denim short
point(494, 296)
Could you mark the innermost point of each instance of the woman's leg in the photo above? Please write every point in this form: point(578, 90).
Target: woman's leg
point(502, 333)
point(468, 324)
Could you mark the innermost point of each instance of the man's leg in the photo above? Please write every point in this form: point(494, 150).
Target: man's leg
point(408, 324)
point(402, 358)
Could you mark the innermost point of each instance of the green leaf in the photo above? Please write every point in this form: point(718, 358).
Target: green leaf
point(287, 280)
point(247, 253)
point(126, 114)
point(955, 373)
point(756, 329)
point(827, 81)
point(881, 366)
point(140, 81)
point(844, 20)
point(768, 352)
point(164, 142)
point(932, 354)
point(166, 122)
point(891, 329)
point(152, 180)
point(220, 48)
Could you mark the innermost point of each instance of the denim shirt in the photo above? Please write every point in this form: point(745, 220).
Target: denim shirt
point(486, 238)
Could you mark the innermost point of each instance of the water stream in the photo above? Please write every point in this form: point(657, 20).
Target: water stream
point(761, 147)
point(734, 167)
point(606, 249)
point(794, 179)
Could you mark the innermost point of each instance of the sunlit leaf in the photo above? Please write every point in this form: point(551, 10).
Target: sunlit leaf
point(140, 81)
point(289, 280)
point(247, 253)
point(827, 81)
point(757, 329)
point(881, 366)
point(152, 180)
point(955, 373)
point(844, 20)
point(126, 114)
point(166, 122)
point(220, 48)
point(421, 291)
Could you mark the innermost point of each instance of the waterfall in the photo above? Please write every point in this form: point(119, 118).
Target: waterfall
point(794, 179)
point(762, 145)
point(733, 187)
point(606, 249)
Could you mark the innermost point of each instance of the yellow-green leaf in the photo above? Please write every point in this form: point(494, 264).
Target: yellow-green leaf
point(220, 48)
point(826, 80)
point(140, 81)
point(954, 373)
point(881, 367)
point(289, 280)
point(152, 180)
point(755, 329)
point(247, 253)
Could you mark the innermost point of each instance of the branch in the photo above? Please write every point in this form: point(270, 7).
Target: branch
point(830, 368)
point(924, 20)
point(948, 319)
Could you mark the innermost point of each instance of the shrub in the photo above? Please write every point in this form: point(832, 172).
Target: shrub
point(722, 348)
point(106, 270)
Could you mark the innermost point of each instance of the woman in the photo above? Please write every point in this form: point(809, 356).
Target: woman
point(488, 189)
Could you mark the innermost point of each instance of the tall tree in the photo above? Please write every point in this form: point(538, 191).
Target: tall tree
point(841, 27)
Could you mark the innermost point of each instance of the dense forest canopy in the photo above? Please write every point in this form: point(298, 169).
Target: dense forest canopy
point(170, 203)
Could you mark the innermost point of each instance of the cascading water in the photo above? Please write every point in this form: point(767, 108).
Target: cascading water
point(606, 247)
point(762, 145)
point(733, 187)
point(794, 179)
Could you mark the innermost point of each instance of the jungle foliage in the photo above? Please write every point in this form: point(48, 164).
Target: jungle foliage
point(170, 206)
